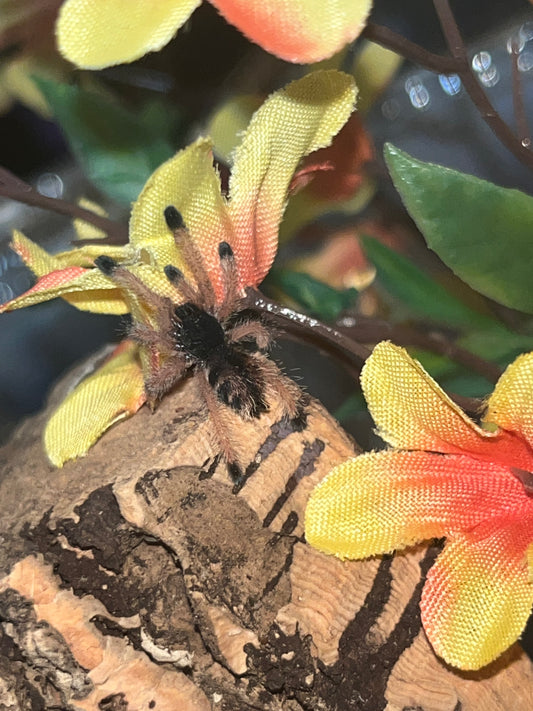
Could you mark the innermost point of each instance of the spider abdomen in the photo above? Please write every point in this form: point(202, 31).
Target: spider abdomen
point(236, 381)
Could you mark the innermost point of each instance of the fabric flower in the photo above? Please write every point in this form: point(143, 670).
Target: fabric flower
point(446, 477)
point(99, 33)
point(292, 123)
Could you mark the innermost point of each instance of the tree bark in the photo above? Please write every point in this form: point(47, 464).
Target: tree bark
point(140, 577)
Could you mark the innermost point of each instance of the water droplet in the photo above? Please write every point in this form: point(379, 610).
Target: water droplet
point(6, 292)
point(390, 109)
point(526, 31)
point(417, 92)
point(412, 82)
point(451, 84)
point(9, 210)
point(525, 61)
point(419, 96)
point(515, 43)
point(50, 185)
point(526, 142)
point(489, 78)
point(481, 61)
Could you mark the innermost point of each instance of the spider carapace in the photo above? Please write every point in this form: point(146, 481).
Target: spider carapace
point(221, 343)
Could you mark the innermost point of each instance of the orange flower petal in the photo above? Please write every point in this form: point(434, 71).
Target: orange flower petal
point(412, 411)
point(300, 31)
point(98, 33)
point(87, 289)
point(477, 597)
point(379, 502)
point(112, 393)
point(35, 257)
point(511, 404)
point(292, 123)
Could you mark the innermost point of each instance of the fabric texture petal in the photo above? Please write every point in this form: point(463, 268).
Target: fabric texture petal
point(99, 33)
point(412, 411)
point(86, 289)
point(292, 123)
point(189, 182)
point(112, 393)
point(33, 256)
point(301, 31)
point(477, 596)
point(379, 502)
point(510, 405)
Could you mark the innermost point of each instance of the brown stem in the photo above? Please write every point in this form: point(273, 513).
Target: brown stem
point(16, 189)
point(350, 333)
point(473, 88)
point(456, 64)
point(414, 52)
point(305, 325)
point(374, 330)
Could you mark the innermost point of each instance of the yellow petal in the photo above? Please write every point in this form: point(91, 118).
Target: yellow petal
point(85, 256)
point(114, 392)
point(189, 183)
point(292, 123)
point(229, 121)
point(86, 289)
point(374, 67)
point(84, 230)
point(298, 30)
point(411, 411)
point(379, 502)
point(99, 33)
point(477, 598)
point(33, 256)
point(511, 404)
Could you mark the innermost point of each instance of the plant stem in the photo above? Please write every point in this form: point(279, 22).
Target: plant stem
point(16, 189)
point(350, 333)
point(458, 64)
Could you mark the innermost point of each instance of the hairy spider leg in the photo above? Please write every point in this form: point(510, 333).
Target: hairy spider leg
point(166, 366)
point(218, 418)
point(191, 256)
point(283, 388)
point(231, 281)
point(182, 286)
point(252, 332)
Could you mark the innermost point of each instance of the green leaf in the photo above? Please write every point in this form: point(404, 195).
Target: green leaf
point(481, 231)
point(318, 298)
point(353, 406)
point(410, 285)
point(497, 344)
point(117, 150)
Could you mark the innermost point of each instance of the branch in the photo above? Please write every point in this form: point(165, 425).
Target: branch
point(456, 64)
point(16, 189)
point(305, 326)
point(351, 332)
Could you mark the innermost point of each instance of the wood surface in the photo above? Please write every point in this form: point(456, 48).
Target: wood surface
point(140, 577)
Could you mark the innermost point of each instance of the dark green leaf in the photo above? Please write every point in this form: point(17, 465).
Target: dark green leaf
point(318, 298)
point(353, 405)
point(117, 150)
point(409, 284)
point(481, 231)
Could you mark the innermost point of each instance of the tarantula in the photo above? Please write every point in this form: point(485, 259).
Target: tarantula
point(223, 345)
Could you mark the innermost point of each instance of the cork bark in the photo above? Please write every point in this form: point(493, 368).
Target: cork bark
point(140, 577)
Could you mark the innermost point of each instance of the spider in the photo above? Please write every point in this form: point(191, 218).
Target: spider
point(223, 345)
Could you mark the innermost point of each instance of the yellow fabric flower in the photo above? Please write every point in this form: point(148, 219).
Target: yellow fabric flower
point(292, 123)
point(98, 33)
point(446, 477)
